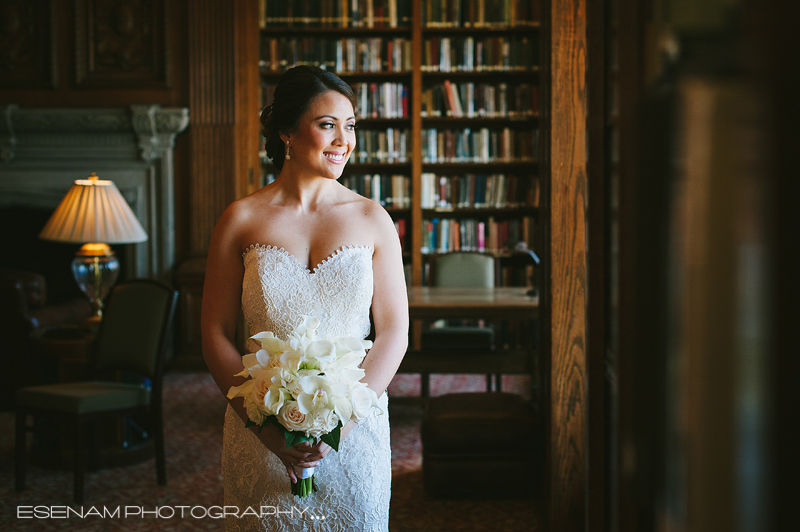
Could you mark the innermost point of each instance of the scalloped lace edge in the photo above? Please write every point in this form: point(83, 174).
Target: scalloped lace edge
point(270, 247)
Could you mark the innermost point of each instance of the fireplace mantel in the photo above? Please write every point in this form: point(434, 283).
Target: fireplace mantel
point(43, 150)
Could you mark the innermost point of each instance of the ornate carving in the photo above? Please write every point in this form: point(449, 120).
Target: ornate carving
point(27, 44)
point(121, 43)
point(71, 121)
point(156, 128)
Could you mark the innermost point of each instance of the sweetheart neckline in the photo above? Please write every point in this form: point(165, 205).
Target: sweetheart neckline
point(338, 251)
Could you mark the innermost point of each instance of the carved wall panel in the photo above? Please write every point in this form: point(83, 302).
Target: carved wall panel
point(27, 44)
point(121, 44)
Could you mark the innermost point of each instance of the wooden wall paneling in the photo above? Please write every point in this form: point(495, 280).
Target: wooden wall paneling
point(568, 275)
point(28, 40)
point(223, 97)
point(116, 89)
point(248, 100)
point(122, 44)
point(212, 99)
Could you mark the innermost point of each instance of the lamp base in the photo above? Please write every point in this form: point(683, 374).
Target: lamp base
point(95, 269)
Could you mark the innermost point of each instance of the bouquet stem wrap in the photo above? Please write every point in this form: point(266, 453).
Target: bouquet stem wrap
point(305, 484)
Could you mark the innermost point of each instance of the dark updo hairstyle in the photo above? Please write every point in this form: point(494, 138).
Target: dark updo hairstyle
point(296, 90)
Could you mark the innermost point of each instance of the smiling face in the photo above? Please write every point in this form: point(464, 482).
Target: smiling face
point(325, 137)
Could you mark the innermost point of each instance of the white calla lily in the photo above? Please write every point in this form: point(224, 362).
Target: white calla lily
point(323, 351)
point(242, 390)
point(274, 400)
point(343, 407)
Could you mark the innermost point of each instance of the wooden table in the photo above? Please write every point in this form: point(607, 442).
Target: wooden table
point(507, 303)
point(430, 303)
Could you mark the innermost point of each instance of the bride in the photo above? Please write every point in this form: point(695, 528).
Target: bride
point(305, 244)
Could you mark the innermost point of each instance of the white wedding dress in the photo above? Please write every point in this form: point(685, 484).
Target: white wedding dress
point(354, 483)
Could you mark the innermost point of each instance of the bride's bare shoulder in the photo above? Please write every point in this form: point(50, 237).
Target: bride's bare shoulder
point(248, 207)
point(240, 216)
point(371, 213)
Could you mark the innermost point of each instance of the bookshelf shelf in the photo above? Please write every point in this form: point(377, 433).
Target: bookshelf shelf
point(511, 75)
point(367, 168)
point(373, 123)
point(479, 212)
point(492, 253)
point(291, 31)
point(485, 30)
point(487, 167)
point(497, 87)
point(481, 121)
point(274, 75)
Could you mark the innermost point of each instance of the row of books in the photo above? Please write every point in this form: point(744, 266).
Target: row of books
point(381, 100)
point(373, 100)
point(471, 100)
point(478, 191)
point(479, 145)
point(400, 227)
point(375, 146)
point(340, 55)
point(444, 235)
point(391, 191)
point(335, 13)
point(479, 13)
point(381, 146)
point(469, 54)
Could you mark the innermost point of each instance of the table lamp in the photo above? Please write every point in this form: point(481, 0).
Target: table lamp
point(95, 214)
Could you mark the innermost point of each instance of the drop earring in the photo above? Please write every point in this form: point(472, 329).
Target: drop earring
point(287, 156)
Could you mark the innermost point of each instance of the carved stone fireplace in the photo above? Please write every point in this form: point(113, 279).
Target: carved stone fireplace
point(43, 150)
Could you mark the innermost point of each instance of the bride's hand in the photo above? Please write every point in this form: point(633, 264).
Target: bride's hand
point(315, 452)
point(321, 449)
point(293, 457)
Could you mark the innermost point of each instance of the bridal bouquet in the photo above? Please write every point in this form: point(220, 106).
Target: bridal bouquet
point(309, 387)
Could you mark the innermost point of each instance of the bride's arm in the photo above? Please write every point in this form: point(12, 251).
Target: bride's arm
point(222, 295)
point(389, 312)
point(389, 307)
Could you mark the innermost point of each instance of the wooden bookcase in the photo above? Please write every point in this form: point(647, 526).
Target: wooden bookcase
point(425, 27)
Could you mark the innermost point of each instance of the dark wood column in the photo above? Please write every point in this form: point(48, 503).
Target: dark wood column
point(223, 61)
point(224, 137)
point(568, 272)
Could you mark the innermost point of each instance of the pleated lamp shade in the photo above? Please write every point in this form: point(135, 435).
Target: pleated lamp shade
point(94, 211)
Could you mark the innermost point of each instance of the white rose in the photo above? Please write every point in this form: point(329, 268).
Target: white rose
point(253, 412)
point(292, 418)
point(363, 399)
point(261, 385)
point(324, 422)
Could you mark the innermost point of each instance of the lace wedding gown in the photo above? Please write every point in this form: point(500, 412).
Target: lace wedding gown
point(354, 483)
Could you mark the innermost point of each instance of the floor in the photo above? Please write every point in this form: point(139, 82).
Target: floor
point(193, 413)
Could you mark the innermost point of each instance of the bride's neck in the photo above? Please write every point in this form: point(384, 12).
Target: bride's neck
point(306, 192)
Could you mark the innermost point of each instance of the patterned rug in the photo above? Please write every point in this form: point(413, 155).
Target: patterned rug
point(193, 430)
